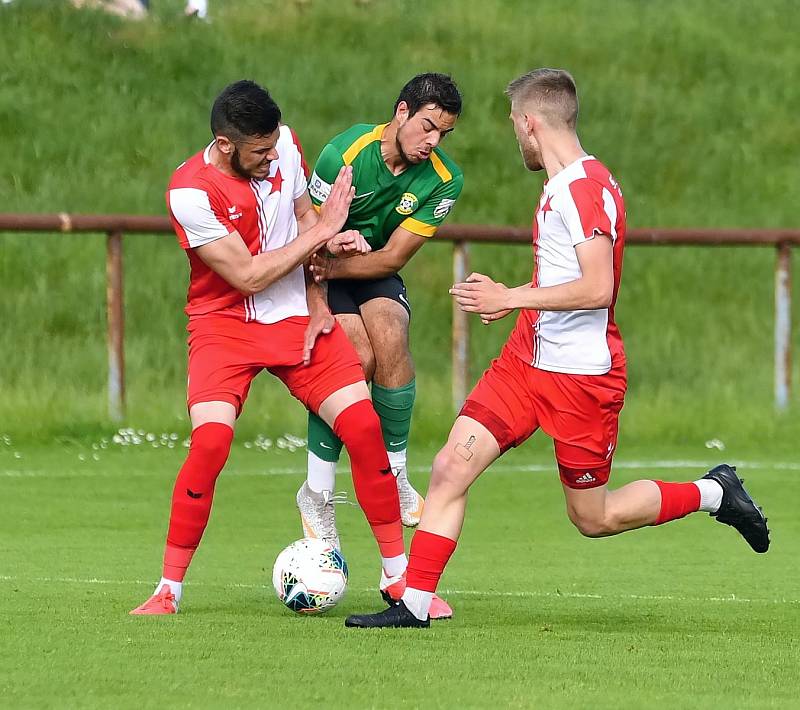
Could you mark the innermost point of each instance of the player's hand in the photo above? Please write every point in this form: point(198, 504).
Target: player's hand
point(487, 318)
point(334, 210)
point(321, 267)
point(348, 243)
point(480, 294)
point(320, 323)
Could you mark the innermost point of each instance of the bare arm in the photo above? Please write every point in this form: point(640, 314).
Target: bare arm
point(594, 289)
point(402, 245)
point(231, 259)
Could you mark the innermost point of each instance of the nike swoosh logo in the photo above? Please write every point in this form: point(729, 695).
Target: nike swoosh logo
point(365, 194)
point(324, 445)
point(397, 443)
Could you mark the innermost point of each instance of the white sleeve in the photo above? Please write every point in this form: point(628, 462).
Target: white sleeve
point(193, 213)
point(300, 180)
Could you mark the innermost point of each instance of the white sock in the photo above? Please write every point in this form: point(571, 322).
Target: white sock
point(397, 460)
point(201, 6)
point(394, 566)
point(710, 495)
point(321, 473)
point(418, 602)
point(175, 587)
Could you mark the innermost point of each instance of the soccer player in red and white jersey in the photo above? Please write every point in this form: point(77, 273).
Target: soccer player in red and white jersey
point(563, 367)
point(241, 211)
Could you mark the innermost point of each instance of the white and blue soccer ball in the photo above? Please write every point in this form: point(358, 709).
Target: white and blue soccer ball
point(310, 576)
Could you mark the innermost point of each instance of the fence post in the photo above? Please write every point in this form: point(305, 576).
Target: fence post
point(783, 324)
point(116, 327)
point(460, 328)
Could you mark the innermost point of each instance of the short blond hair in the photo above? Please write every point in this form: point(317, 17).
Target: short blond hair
point(551, 92)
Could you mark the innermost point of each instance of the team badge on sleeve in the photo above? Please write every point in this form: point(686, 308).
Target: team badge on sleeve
point(318, 188)
point(443, 208)
point(408, 203)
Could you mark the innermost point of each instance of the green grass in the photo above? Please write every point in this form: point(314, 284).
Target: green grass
point(691, 114)
point(681, 616)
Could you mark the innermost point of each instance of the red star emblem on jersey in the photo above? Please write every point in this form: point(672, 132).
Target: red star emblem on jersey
point(546, 207)
point(276, 181)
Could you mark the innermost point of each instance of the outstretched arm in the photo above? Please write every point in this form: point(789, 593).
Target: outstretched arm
point(402, 245)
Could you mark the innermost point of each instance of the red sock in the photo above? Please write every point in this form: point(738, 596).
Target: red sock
point(193, 494)
point(359, 428)
point(677, 500)
point(429, 556)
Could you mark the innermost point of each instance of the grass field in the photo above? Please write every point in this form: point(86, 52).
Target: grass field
point(685, 616)
point(690, 107)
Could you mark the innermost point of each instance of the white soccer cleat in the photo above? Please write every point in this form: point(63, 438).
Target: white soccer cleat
point(318, 515)
point(411, 502)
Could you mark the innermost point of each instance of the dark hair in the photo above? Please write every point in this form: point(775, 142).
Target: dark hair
point(431, 88)
point(552, 91)
point(244, 109)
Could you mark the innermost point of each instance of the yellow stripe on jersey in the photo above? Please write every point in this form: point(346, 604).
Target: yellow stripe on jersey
point(374, 135)
point(439, 167)
point(417, 227)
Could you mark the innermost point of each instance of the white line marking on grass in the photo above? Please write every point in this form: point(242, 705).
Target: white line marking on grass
point(452, 592)
point(498, 468)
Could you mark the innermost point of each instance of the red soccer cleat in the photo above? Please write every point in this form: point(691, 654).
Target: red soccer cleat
point(392, 589)
point(162, 602)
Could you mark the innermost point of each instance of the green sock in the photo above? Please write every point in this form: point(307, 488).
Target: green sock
point(394, 407)
point(321, 439)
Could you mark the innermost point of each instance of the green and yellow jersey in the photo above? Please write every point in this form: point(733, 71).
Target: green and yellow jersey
point(418, 199)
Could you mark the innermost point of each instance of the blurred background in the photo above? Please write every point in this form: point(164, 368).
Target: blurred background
point(691, 105)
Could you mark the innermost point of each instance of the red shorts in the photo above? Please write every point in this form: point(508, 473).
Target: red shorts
point(580, 412)
point(225, 354)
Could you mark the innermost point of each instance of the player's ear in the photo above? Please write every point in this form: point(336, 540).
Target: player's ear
point(401, 112)
point(225, 145)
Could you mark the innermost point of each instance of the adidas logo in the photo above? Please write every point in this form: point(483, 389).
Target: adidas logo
point(586, 478)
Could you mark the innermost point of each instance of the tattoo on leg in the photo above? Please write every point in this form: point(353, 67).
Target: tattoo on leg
point(463, 450)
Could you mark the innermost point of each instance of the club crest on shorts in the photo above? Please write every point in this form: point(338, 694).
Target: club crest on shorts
point(408, 203)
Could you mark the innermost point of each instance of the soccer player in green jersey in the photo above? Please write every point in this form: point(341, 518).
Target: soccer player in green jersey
point(405, 188)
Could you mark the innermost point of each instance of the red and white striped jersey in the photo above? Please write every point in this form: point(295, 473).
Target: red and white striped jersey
point(580, 202)
point(205, 204)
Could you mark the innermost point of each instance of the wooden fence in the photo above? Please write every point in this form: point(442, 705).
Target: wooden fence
point(461, 235)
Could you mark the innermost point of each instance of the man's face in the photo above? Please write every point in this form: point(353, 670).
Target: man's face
point(419, 134)
point(251, 156)
point(528, 147)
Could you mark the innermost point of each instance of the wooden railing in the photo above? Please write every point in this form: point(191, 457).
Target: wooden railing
point(115, 226)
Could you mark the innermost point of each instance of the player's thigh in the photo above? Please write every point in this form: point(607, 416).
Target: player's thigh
point(334, 372)
point(386, 322)
point(501, 401)
point(216, 411)
point(469, 451)
point(220, 371)
point(354, 329)
point(581, 414)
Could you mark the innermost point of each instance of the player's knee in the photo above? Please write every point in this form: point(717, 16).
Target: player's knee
point(211, 443)
point(592, 524)
point(449, 473)
point(367, 431)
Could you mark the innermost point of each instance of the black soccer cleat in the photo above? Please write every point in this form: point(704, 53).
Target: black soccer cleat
point(395, 617)
point(738, 509)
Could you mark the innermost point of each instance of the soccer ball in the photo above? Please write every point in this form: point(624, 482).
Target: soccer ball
point(310, 576)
